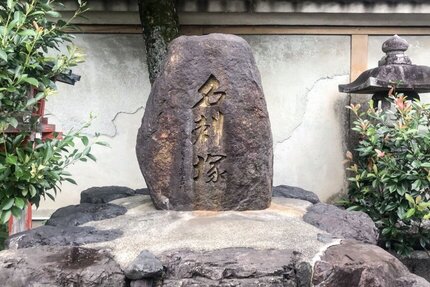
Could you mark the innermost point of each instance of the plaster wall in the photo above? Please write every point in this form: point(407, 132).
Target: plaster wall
point(300, 75)
point(114, 87)
point(269, 6)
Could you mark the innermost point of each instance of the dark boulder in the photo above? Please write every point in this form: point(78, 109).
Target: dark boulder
point(418, 262)
point(142, 191)
point(105, 194)
point(342, 223)
point(205, 141)
point(75, 215)
point(142, 283)
point(146, 265)
point(295, 192)
point(53, 266)
point(355, 264)
point(235, 267)
point(60, 236)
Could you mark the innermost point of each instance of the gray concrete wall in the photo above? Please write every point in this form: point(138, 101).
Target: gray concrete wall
point(300, 75)
point(114, 86)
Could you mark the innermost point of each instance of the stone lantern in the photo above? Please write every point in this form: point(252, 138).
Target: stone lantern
point(396, 70)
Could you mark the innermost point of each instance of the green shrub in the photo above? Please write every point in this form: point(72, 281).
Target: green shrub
point(3, 235)
point(31, 35)
point(390, 178)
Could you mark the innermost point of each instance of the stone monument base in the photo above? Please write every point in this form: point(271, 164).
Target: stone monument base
point(149, 247)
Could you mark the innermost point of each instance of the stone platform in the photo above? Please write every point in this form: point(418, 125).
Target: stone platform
point(159, 231)
point(127, 242)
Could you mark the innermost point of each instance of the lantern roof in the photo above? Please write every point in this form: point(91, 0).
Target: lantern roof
point(394, 69)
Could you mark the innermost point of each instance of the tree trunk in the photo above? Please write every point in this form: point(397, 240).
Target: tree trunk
point(160, 26)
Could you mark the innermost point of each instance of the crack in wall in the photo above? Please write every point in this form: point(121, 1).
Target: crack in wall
point(116, 116)
point(306, 95)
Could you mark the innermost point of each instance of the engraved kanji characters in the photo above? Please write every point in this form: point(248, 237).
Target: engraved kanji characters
point(207, 132)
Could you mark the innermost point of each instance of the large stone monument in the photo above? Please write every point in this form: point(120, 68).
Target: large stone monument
point(205, 141)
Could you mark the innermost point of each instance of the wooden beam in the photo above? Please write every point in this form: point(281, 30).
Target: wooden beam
point(359, 55)
point(107, 29)
point(303, 30)
point(261, 30)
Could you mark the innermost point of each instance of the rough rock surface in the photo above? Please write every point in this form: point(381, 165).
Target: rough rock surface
point(295, 192)
point(205, 141)
point(158, 231)
point(142, 191)
point(60, 236)
point(272, 247)
point(54, 266)
point(418, 262)
point(142, 283)
point(345, 224)
point(235, 267)
point(355, 264)
point(105, 194)
point(75, 215)
point(146, 265)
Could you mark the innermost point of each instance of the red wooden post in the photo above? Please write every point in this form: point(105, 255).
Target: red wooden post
point(48, 132)
point(21, 224)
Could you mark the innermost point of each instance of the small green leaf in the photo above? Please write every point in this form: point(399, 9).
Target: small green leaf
point(13, 122)
point(3, 55)
point(102, 143)
point(8, 204)
point(416, 185)
point(53, 14)
point(11, 159)
point(10, 4)
point(92, 157)
point(31, 102)
point(410, 199)
point(410, 213)
point(401, 213)
point(27, 32)
point(5, 216)
point(423, 242)
point(418, 199)
point(40, 96)
point(85, 140)
point(354, 208)
point(31, 81)
point(49, 152)
point(386, 230)
point(71, 180)
point(424, 204)
point(50, 196)
point(426, 165)
point(32, 190)
point(16, 212)
point(19, 202)
point(390, 207)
